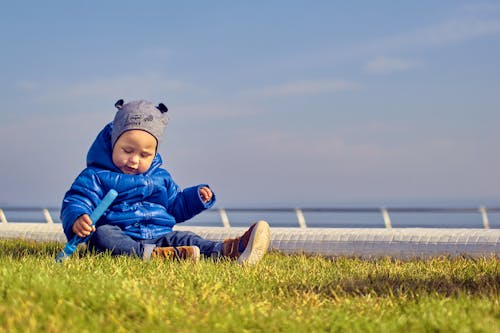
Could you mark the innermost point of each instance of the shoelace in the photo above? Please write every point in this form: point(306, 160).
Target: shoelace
point(177, 253)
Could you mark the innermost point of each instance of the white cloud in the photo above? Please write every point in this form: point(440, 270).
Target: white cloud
point(336, 165)
point(45, 154)
point(467, 23)
point(157, 53)
point(456, 31)
point(307, 87)
point(384, 65)
point(141, 86)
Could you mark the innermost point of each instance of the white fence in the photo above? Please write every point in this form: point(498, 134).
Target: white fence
point(403, 243)
point(299, 213)
point(384, 240)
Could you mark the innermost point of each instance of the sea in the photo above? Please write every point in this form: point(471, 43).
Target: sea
point(348, 216)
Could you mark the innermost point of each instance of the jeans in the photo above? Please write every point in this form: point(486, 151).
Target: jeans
point(112, 238)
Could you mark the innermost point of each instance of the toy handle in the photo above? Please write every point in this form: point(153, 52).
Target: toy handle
point(71, 245)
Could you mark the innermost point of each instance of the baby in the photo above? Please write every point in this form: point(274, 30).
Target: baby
point(139, 223)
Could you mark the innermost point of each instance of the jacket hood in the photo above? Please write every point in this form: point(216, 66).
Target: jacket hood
point(101, 152)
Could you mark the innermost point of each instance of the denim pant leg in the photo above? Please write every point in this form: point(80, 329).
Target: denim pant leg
point(188, 238)
point(112, 238)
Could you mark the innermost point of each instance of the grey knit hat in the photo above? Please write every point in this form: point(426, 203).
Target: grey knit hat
point(142, 115)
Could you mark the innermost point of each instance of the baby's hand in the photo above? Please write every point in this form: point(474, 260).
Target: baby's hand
point(206, 194)
point(83, 226)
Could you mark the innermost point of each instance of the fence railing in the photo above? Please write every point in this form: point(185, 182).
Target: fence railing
point(384, 211)
point(299, 212)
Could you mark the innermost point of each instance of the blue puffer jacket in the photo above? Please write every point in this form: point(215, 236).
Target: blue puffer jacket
point(147, 206)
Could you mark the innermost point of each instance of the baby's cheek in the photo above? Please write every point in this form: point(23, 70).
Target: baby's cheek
point(146, 165)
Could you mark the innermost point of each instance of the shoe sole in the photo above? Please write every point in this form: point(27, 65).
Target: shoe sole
point(258, 244)
point(196, 254)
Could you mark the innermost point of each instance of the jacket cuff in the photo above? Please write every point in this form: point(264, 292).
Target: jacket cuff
point(70, 220)
point(209, 204)
point(193, 196)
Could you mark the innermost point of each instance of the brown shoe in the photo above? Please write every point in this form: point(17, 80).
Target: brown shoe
point(177, 252)
point(251, 246)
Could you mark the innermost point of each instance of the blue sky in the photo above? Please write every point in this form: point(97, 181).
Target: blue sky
point(271, 102)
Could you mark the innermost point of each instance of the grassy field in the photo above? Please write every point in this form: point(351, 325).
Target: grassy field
point(284, 293)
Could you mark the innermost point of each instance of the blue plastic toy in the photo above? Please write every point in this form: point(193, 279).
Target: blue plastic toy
point(94, 217)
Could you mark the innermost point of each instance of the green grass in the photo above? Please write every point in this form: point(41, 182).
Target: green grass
point(284, 293)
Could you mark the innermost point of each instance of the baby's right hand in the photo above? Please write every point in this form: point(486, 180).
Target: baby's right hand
point(82, 227)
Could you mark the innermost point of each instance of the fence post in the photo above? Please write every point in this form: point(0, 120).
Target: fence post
point(386, 217)
point(3, 219)
point(486, 223)
point(48, 218)
point(300, 218)
point(224, 218)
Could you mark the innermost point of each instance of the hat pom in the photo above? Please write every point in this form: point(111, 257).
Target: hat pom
point(162, 108)
point(119, 104)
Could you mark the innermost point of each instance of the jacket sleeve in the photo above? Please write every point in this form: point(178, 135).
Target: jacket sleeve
point(83, 196)
point(185, 204)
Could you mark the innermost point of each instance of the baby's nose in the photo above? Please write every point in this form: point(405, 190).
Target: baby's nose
point(134, 159)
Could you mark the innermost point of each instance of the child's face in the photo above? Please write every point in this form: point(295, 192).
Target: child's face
point(134, 152)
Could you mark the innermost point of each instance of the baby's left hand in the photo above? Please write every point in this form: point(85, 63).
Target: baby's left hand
point(206, 194)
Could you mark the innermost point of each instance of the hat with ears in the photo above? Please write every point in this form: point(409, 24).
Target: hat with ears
point(141, 115)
